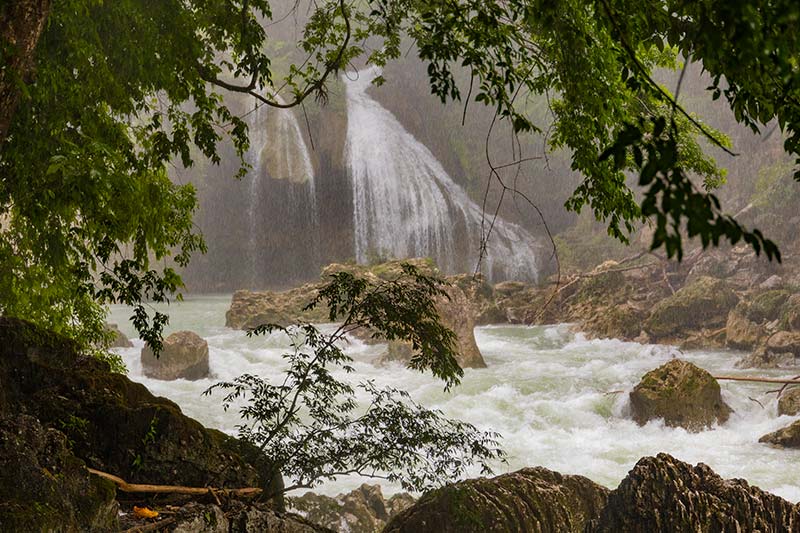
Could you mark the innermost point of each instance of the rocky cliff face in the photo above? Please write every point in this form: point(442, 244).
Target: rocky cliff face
point(533, 499)
point(663, 494)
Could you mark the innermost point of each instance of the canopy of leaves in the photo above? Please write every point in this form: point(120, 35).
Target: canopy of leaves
point(594, 60)
point(124, 88)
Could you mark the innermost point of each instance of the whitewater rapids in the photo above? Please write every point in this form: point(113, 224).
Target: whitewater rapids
point(558, 400)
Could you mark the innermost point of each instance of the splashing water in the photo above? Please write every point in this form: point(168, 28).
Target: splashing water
point(558, 400)
point(406, 205)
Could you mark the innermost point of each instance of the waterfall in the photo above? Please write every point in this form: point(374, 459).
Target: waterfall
point(406, 205)
point(278, 151)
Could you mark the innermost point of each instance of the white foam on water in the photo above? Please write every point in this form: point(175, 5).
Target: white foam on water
point(558, 399)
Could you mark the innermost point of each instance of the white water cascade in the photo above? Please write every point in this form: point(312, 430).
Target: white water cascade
point(278, 151)
point(406, 205)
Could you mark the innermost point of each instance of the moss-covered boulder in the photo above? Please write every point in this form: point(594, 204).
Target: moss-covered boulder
point(790, 313)
point(705, 303)
point(363, 510)
point(533, 499)
point(184, 356)
point(457, 313)
point(116, 425)
point(482, 297)
point(787, 437)
point(44, 487)
point(664, 495)
point(789, 402)
point(767, 306)
point(681, 394)
point(615, 322)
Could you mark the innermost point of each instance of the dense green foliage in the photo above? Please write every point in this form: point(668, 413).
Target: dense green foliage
point(310, 424)
point(596, 59)
point(124, 89)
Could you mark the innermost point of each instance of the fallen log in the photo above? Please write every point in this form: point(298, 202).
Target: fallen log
point(124, 486)
point(758, 379)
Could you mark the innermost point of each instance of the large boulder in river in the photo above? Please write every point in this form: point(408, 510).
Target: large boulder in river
point(184, 356)
point(787, 437)
point(681, 393)
point(456, 313)
point(118, 339)
point(116, 425)
point(663, 494)
point(44, 487)
point(531, 499)
point(703, 304)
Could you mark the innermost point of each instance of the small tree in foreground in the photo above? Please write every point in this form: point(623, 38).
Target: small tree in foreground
point(311, 426)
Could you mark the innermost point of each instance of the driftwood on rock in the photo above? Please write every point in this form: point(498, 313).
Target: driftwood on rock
point(124, 486)
point(756, 379)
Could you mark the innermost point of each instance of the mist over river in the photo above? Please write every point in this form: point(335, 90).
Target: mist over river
point(557, 399)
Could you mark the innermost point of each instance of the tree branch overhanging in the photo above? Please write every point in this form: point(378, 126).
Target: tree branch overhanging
point(317, 85)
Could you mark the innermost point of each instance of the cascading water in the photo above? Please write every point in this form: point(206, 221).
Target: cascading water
point(278, 151)
point(405, 204)
point(258, 138)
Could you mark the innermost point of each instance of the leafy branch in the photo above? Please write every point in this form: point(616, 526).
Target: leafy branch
point(310, 424)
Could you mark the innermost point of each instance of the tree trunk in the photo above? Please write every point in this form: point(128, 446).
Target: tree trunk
point(21, 25)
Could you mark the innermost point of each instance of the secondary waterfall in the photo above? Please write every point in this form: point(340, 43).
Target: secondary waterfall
point(278, 151)
point(406, 205)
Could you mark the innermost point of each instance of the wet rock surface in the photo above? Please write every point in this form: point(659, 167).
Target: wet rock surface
point(533, 499)
point(458, 311)
point(184, 356)
point(118, 340)
point(363, 510)
point(705, 303)
point(226, 517)
point(44, 487)
point(457, 314)
point(789, 402)
point(663, 494)
point(250, 309)
point(682, 394)
point(116, 425)
point(787, 437)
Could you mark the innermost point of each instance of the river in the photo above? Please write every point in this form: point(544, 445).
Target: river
point(558, 399)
